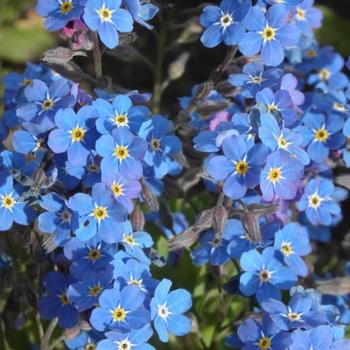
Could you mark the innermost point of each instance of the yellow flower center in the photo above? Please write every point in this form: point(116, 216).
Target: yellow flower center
point(27, 82)
point(324, 74)
point(135, 282)
point(321, 135)
point(129, 239)
point(287, 249)
point(117, 189)
point(47, 104)
point(63, 298)
point(314, 201)
point(264, 343)
point(121, 152)
point(105, 14)
point(125, 345)
point(119, 314)
point(8, 202)
point(282, 142)
point(268, 33)
point(301, 14)
point(241, 167)
point(265, 275)
point(94, 254)
point(311, 53)
point(339, 107)
point(121, 120)
point(77, 134)
point(100, 213)
point(272, 107)
point(90, 346)
point(293, 316)
point(257, 79)
point(275, 175)
point(155, 144)
point(93, 168)
point(95, 291)
point(66, 7)
point(226, 20)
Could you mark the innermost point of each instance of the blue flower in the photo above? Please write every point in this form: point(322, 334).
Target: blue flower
point(24, 142)
point(317, 338)
point(56, 302)
point(263, 335)
point(43, 102)
point(346, 151)
point(58, 219)
point(12, 208)
point(84, 340)
point(121, 113)
point(93, 255)
point(121, 152)
point(308, 17)
point(224, 23)
point(239, 167)
point(318, 202)
point(280, 176)
point(85, 293)
point(167, 311)
point(292, 241)
point(135, 339)
point(98, 215)
point(107, 18)
point(281, 139)
point(74, 134)
point(279, 103)
point(297, 314)
point(58, 13)
point(120, 310)
point(264, 275)
point(321, 134)
point(270, 34)
point(161, 144)
point(123, 190)
point(16, 164)
point(141, 11)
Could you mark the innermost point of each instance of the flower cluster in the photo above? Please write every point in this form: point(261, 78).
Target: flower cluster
point(84, 171)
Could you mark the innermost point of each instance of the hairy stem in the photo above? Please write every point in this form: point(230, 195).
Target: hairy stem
point(97, 56)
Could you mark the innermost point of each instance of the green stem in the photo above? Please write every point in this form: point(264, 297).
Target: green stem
point(157, 87)
point(47, 336)
point(97, 56)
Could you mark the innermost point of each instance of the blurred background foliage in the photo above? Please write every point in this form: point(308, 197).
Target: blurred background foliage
point(23, 39)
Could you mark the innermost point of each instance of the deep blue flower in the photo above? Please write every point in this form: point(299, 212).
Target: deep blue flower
point(56, 302)
point(132, 340)
point(263, 335)
point(58, 219)
point(85, 293)
point(162, 145)
point(93, 255)
point(121, 152)
point(120, 310)
point(224, 23)
point(16, 164)
point(74, 134)
point(279, 103)
point(292, 241)
point(321, 134)
point(239, 167)
point(121, 113)
point(98, 215)
point(123, 190)
point(296, 314)
point(37, 115)
point(280, 176)
point(12, 208)
point(167, 311)
point(255, 78)
point(58, 13)
point(107, 18)
point(270, 34)
point(281, 139)
point(318, 202)
point(264, 275)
